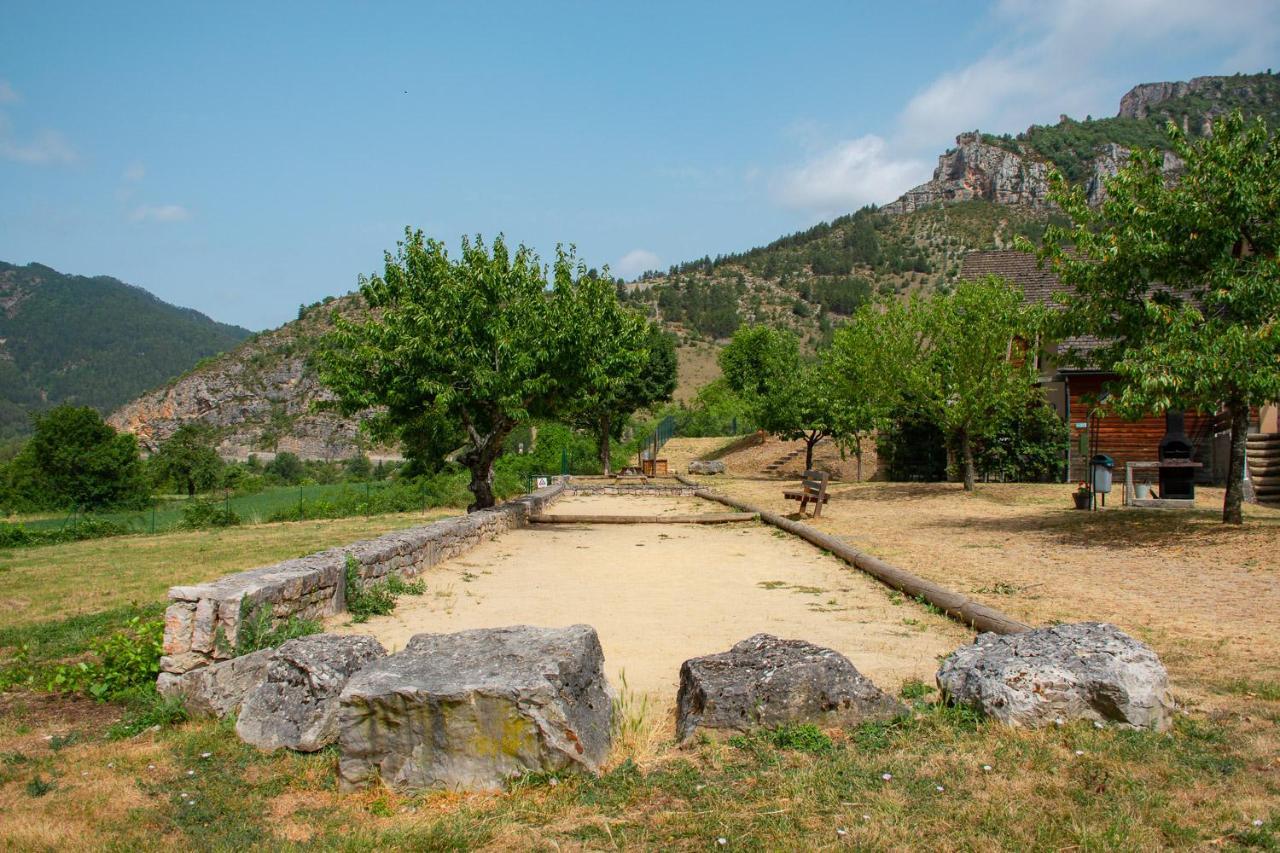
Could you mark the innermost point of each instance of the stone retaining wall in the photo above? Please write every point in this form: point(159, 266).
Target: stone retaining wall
point(202, 621)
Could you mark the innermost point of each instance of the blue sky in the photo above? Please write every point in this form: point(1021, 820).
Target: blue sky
point(242, 158)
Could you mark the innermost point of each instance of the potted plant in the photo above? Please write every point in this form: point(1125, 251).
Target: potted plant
point(1083, 496)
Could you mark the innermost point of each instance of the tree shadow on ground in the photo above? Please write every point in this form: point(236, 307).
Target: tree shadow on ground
point(888, 492)
point(1117, 529)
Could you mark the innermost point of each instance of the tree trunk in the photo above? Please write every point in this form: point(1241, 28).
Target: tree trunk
point(809, 441)
point(858, 454)
point(191, 487)
point(605, 461)
point(479, 461)
point(1232, 509)
point(966, 455)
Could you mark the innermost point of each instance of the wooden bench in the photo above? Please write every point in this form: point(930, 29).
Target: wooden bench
point(813, 489)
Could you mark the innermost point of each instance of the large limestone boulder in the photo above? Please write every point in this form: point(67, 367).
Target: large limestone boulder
point(296, 705)
point(218, 689)
point(765, 681)
point(1087, 670)
point(698, 466)
point(474, 709)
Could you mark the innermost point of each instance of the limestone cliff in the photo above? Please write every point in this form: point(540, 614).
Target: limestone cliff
point(975, 169)
point(1013, 170)
point(259, 398)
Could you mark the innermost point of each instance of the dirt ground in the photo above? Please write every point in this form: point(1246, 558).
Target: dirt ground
point(659, 594)
point(1205, 595)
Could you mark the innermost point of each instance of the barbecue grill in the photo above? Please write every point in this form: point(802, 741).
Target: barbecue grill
point(1177, 471)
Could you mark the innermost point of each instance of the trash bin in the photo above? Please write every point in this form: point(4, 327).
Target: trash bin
point(1102, 466)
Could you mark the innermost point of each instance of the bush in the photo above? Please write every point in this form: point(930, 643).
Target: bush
point(1030, 447)
point(377, 598)
point(125, 663)
point(200, 514)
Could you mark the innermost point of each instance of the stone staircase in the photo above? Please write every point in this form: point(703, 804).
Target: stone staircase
point(782, 461)
point(1264, 467)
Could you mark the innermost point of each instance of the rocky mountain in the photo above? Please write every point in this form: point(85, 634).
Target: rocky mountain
point(1014, 170)
point(259, 397)
point(91, 341)
point(975, 169)
point(986, 191)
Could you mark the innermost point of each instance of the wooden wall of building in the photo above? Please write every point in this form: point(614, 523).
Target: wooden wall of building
point(1122, 440)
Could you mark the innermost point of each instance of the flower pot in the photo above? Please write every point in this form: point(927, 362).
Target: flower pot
point(1082, 499)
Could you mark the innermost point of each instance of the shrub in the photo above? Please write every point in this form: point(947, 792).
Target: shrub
point(200, 514)
point(377, 598)
point(126, 661)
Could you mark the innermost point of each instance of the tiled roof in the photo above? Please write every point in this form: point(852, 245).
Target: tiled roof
point(1038, 285)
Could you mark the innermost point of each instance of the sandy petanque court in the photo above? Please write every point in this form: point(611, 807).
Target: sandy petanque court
point(659, 594)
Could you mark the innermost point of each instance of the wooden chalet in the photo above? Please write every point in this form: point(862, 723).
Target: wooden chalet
point(1074, 391)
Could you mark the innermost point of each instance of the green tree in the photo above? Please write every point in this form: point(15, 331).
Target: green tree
point(1180, 281)
point(188, 459)
point(286, 467)
point(358, 468)
point(484, 341)
point(790, 397)
point(76, 459)
point(973, 372)
point(756, 358)
point(870, 360)
point(629, 364)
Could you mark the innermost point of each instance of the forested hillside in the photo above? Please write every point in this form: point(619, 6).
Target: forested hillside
point(809, 280)
point(91, 341)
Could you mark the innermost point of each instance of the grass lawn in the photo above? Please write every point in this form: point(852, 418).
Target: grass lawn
point(253, 509)
point(1204, 596)
point(82, 578)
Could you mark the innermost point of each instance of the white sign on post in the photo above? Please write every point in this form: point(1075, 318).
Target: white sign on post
point(542, 482)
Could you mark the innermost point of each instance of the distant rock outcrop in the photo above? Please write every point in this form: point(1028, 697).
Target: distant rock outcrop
point(975, 169)
point(258, 398)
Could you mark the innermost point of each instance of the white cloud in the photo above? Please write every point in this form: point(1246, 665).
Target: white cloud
point(848, 175)
point(8, 94)
point(134, 172)
point(635, 262)
point(160, 213)
point(47, 147)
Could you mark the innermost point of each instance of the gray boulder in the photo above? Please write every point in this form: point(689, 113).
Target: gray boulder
point(765, 681)
point(474, 709)
point(1087, 670)
point(218, 689)
point(698, 466)
point(296, 706)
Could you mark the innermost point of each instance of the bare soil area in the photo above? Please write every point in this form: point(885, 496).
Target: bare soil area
point(660, 594)
point(751, 461)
